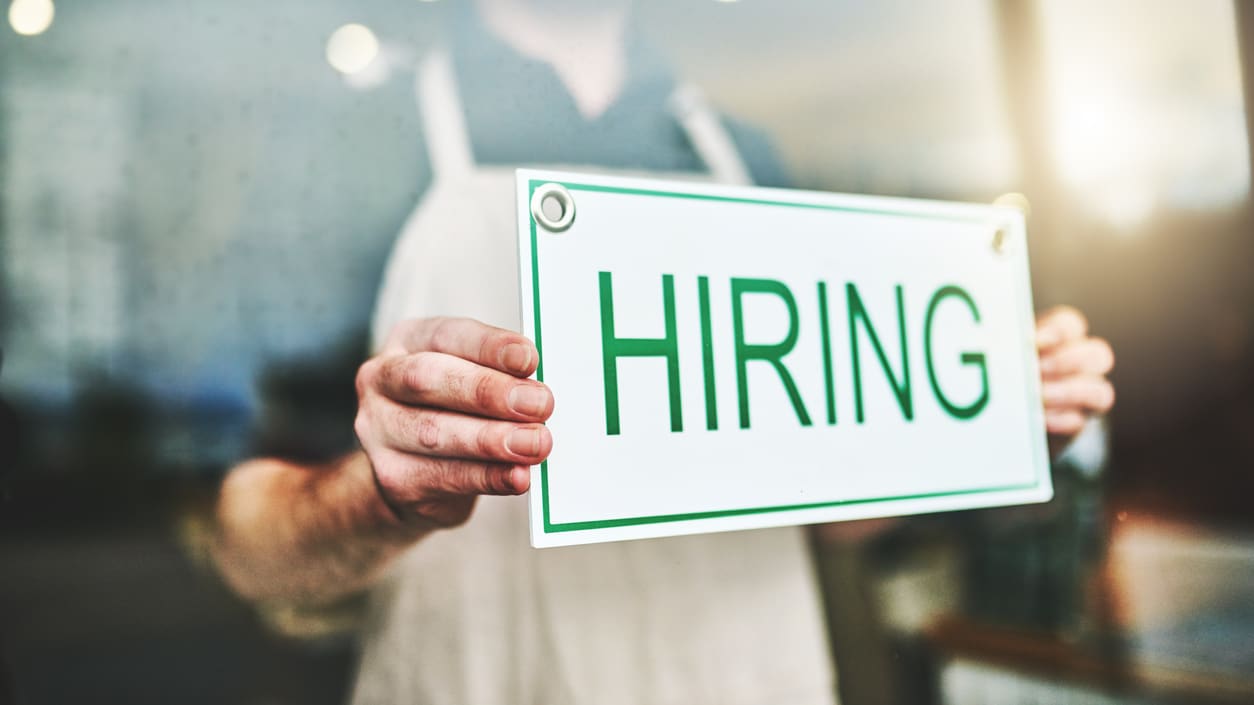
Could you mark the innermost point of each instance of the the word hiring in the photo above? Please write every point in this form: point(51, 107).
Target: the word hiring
point(614, 348)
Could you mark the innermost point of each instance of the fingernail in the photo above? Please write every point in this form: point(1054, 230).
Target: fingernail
point(1048, 365)
point(529, 400)
point(524, 441)
point(516, 357)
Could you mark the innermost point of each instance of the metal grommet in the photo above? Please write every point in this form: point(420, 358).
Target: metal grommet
point(553, 207)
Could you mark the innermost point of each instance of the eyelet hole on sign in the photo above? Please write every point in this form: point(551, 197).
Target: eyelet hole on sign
point(553, 207)
point(999, 240)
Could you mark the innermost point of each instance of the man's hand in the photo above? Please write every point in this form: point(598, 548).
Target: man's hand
point(445, 413)
point(1074, 366)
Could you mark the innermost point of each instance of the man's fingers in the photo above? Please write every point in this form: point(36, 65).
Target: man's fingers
point(1087, 394)
point(447, 382)
point(443, 490)
point(418, 479)
point(443, 416)
point(1090, 356)
point(447, 434)
point(1059, 325)
point(468, 339)
point(465, 477)
point(1067, 422)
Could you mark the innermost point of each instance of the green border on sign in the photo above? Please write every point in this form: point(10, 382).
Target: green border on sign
point(551, 528)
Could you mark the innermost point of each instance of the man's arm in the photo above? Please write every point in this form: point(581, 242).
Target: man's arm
point(308, 534)
point(445, 414)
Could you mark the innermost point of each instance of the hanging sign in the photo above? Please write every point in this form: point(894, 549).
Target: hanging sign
point(732, 358)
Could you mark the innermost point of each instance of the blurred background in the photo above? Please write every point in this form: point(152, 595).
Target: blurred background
point(197, 198)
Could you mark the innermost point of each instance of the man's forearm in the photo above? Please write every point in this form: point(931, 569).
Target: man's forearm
point(303, 533)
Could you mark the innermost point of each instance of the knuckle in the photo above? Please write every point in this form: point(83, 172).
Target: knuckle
point(496, 481)
point(488, 441)
point(426, 487)
point(465, 478)
point(428, 432)
point(367, 373)
point(443, 477)
point(492, 343)
point(422, 375)
point(443, 334)
point(391, 479)
point(394, 476)
point(486, 347)
point(479, 479)
point(361, 425)
point(486, 396)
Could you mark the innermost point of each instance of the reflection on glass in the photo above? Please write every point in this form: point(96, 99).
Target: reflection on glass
point(351, 48)
point(31, 17)
point(1146, 107)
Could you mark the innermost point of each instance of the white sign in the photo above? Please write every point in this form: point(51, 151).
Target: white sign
point(732, 358)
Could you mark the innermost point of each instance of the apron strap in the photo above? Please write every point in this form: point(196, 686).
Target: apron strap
point(708, 136)
point(443, 120)
point(448, 143)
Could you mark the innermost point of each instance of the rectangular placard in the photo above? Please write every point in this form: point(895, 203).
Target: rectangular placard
point(732, 357)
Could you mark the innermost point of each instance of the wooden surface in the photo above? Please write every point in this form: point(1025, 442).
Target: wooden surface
point(1047, 656)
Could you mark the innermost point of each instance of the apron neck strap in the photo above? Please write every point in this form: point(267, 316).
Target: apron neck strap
point(708, 136)
point(449, 146)
point(443, 121)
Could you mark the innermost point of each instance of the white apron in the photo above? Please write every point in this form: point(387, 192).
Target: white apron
point(474, 615)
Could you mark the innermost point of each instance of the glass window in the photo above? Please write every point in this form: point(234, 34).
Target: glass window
point(861, 97)
point(1146, 105)
point(198, 200)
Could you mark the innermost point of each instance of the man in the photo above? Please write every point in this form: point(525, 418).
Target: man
point(448, 419)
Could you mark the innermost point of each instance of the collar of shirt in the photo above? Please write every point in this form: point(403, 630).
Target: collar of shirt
point(519, 112)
